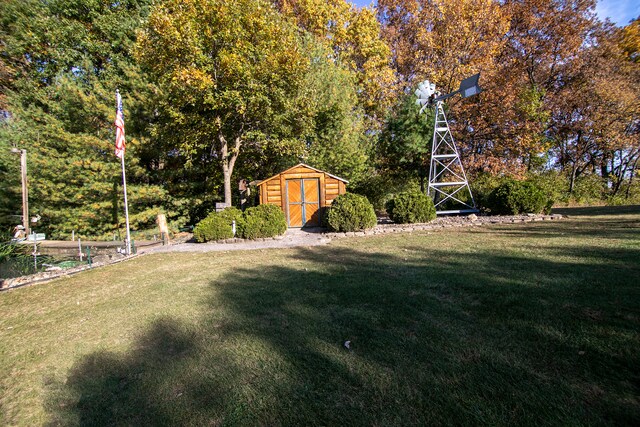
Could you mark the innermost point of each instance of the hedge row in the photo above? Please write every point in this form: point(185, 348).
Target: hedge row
point(256, 222)
point(517, 197)
point(504, 196)
point(353, 212)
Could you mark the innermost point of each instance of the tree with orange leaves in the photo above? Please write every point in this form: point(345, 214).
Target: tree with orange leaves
point(353, 36)
point(596, 114)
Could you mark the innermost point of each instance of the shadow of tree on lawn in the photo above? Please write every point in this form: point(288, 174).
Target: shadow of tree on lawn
point(599, 210)
point(436, 337)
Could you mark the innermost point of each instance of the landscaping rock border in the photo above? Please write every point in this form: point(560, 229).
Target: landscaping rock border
point(447, 222)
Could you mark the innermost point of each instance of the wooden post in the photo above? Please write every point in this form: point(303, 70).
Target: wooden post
point(25, 191)
point(163, 227)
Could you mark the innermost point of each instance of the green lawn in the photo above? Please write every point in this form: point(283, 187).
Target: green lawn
point(525, 324)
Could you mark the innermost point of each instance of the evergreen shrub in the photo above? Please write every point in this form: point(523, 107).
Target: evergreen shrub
point(217, 225)
point(411, 207)
point(351, 212)
point(324, 216)
point(482, 186)
point(516, 197)
point(231, 214)
point(262, 221)
point(589, 189)
point(379, 189)
point(552, 185)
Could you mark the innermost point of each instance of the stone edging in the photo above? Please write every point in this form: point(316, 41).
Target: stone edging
point(240, 240)
point(45, 276)
point(446, 222)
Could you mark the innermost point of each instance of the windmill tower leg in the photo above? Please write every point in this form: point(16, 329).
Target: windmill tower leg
point(447, 179)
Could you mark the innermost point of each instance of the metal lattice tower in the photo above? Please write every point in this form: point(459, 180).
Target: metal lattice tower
point(447, 180)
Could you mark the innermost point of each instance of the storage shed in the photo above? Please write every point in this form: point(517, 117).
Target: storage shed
point(300, 192)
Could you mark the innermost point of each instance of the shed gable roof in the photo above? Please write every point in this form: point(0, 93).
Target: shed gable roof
point(305, 166)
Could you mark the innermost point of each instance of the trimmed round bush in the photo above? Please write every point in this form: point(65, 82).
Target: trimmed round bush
point(231, 214)
point(516, 197)
point(212, 227)
point(217, 225)
point(411, 207)
point(351, 212)
point(262, 221)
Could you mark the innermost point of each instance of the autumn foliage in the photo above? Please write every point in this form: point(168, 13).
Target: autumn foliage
point(220, 90)
point(561, 88)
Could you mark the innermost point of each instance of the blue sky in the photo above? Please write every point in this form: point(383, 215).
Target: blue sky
point(619, 11)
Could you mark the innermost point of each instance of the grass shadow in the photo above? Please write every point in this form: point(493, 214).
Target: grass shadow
point(435, 337)
point(106, 388)
point(598, 210)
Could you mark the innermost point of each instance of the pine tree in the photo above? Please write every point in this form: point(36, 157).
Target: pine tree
point(66, 59)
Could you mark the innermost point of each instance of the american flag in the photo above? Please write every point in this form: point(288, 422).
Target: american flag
point(120, 141)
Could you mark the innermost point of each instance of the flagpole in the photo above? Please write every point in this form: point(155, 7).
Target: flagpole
point(126, 207)
point(120, 150)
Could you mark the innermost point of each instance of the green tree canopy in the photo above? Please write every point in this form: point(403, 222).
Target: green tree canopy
point(337, 141)
point(405, 142)
point(229, 73)
point(66, 58)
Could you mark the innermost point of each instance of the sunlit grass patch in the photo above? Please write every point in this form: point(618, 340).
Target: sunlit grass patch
point(524, 324)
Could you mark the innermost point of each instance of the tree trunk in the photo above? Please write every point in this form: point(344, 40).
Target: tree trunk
point(226, 172)
point(572, 180)
point(633, 172)
point(574, 165)
point(605, 172)
point(228, 162)
point(618, 173)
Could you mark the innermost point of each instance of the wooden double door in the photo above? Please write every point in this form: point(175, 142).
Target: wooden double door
point(303, 202)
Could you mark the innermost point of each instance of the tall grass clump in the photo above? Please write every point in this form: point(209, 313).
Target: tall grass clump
point(14, 259)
